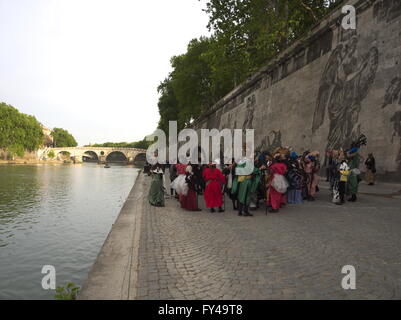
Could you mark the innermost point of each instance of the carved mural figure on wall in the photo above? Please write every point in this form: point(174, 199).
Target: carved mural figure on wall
point(268, 145)
point(229, 121)
point(393, 96)
point(345, 83)
point(250, 110)
point(393, 93)
point(396, 120)
point(387, 10)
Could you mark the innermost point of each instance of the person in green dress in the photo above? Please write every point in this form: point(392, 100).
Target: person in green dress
point(156, 191)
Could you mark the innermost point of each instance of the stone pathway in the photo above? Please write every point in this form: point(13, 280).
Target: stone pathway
point(295, 254)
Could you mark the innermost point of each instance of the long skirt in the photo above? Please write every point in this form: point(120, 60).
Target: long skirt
point(213, 195)
point(295, 196)
point(156, 191)
point(314, 183)
point(370, 177)
point(305, 186)
point(189, 202)
point(352, 187)
point(276, 199)
point(245, 191)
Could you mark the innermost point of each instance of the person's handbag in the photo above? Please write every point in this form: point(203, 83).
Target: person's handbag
point(280, 183)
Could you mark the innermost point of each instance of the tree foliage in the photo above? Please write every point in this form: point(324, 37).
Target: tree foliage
point(246, 35)
point(63, 139)
point(168, 104)
point(19, 132)
point(143, 144)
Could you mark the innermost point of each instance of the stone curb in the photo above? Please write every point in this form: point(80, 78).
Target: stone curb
point(115, 271)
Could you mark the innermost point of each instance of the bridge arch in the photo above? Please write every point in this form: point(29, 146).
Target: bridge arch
point(90, 156)
point(117, 157)
point(140, 158)
point(63, 155)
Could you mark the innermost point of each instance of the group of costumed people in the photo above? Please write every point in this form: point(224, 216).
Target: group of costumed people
point(189, 181)
point(278, 178)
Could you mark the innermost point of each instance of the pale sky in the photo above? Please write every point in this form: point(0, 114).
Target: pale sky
point(93, 66)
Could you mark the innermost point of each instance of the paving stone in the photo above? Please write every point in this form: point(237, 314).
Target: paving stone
point(298, 253)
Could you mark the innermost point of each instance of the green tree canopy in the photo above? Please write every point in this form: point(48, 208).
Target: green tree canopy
point(19, 132)
point(168, 105)
point(247, 34)
point(254, 31)
point(143, 144)
point(191, 80)
point(63, 139)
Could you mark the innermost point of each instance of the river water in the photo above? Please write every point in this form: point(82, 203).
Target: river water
point(58, 216)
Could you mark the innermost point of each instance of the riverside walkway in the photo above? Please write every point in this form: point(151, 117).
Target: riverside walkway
point(299, 253)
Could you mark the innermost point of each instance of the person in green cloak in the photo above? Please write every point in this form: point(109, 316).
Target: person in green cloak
point(156, 191)
point(245, 186)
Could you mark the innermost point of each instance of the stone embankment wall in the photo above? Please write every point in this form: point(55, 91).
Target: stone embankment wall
point(327, 89)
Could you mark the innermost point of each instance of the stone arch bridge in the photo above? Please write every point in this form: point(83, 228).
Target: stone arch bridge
point(102, 155)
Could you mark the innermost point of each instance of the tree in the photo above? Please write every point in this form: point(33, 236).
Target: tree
point(191, 80)
point(254, 31)
point(19, 132)
point(247, 34)
point(143, 144)
point(168, 105)
point(188, 90)
point(63, 139)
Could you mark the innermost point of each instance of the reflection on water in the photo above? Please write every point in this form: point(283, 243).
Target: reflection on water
point(55, 215)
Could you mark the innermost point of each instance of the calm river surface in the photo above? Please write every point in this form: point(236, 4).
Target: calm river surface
point(55, 215)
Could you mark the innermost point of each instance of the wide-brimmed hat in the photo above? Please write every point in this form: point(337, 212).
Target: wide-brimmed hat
point(281, 150)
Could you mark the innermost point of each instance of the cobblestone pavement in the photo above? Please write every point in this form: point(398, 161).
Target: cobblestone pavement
point(295, 254)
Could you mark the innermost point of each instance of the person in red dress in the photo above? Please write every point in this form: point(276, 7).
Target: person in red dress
point(213, 194)
point(276, 199)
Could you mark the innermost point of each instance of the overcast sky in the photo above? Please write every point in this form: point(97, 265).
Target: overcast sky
point(93, 66)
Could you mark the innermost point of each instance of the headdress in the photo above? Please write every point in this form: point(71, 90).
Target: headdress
point(344, 166)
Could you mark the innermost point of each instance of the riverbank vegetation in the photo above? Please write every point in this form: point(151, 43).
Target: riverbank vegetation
point(19, 132)
point(143, 144)
point(68, 292)
point(246, 34)
point(63, 139)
